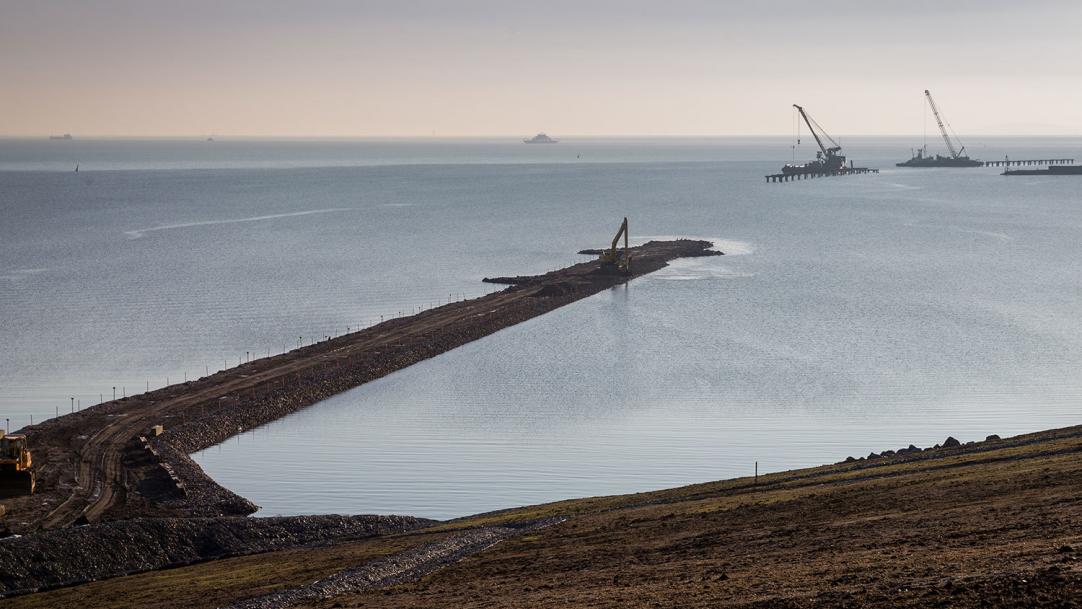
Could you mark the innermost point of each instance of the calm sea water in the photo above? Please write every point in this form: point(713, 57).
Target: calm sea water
point(850, 314)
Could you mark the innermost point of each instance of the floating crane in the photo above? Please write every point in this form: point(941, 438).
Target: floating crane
point(957, 156)
point(827, 159)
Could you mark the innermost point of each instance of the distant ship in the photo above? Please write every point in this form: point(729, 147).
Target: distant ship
point(66, 136)
point(957, 156)
point(540, 138)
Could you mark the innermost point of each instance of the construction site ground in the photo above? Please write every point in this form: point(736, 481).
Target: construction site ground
point(989, 524)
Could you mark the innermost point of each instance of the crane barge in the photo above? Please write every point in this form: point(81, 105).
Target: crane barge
point(957, 156)
point(829, 161)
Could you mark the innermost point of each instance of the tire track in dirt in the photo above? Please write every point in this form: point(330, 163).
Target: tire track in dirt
point(400, 568)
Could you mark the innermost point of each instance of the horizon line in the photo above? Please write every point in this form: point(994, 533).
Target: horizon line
point(215, 136)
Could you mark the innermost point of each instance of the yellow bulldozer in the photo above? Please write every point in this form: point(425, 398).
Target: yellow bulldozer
point(611, 259)
point(16, 477)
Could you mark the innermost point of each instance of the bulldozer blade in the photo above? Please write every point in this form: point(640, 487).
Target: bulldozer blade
point(14, 484)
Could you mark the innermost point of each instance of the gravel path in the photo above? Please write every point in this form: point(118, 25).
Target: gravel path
point(399, 568)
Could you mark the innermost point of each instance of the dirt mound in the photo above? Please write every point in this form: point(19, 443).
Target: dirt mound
point(555, 289)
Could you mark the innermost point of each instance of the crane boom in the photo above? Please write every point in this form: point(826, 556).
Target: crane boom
point(827, 159)
point(816, 129)
point(942, 128)
point(610, 259)
point(804, 116)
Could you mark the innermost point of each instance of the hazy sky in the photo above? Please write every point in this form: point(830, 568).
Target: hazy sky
point(505, 67)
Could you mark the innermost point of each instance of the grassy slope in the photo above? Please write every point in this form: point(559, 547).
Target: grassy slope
point(989, 525)
point(217, 583)
point(997, 523)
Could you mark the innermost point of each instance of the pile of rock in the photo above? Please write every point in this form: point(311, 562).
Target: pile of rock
point(950, 442)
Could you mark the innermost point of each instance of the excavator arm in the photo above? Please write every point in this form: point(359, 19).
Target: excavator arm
point(609, 257)
point(616, 240)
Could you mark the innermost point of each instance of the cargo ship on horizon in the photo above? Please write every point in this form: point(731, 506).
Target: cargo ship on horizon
point(540, 138)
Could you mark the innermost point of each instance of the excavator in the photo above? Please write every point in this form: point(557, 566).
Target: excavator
point(611, 260)
point(16, 477)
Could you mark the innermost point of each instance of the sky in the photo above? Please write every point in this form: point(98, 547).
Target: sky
point(264, 68)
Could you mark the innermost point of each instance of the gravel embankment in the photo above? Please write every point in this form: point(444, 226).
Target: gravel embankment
point(51, 559)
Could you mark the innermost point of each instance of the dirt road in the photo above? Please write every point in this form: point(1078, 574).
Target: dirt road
point(402, 567)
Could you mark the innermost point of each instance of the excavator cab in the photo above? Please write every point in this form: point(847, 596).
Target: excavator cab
point(611, 260)
point(16, 477)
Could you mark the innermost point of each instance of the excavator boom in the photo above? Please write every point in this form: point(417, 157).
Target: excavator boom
point(817, 129)
point(609, 257)
point(616, 239)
